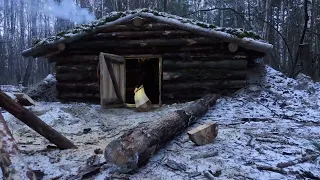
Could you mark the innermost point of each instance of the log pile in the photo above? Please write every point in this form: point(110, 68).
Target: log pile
point(209, 64)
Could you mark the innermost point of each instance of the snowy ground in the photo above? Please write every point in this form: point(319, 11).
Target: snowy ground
point(274, 120)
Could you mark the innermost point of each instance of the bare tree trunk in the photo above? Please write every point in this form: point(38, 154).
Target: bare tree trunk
point(305, 27)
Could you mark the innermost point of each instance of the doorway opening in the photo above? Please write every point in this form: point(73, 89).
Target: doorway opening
point(146, 71)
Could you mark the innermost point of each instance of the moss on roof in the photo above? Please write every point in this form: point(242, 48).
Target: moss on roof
point(112, 16)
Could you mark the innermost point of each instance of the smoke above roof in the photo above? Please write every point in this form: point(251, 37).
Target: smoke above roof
point(68, 10)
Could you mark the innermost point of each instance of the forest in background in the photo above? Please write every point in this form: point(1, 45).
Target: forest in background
point(284, 23)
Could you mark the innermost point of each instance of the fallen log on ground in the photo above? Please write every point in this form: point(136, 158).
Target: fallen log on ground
point(34, 122)
point(135, 147)
point(11, 162)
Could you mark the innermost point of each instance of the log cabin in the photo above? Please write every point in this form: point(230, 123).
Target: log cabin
point(183, 59)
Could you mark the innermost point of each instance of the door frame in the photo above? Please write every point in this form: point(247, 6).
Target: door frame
point(128, 57)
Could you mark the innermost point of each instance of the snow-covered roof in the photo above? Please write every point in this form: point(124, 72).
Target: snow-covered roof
point(239, 36)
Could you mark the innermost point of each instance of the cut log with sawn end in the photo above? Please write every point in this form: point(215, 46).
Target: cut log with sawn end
point(136, 147)
point(204, 134)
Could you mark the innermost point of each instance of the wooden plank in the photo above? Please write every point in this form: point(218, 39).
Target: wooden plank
point(110, 79)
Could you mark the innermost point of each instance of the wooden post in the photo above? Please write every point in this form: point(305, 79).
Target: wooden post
point(34, 122)
point(12, 165)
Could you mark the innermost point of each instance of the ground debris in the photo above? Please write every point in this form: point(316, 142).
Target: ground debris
point(175, 165)
point(207, 154)
point(270, 168)
point(297, 161)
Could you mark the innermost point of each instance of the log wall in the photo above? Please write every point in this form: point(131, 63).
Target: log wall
point(192, 65)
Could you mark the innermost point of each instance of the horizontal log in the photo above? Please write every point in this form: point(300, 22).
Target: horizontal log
point(141, 35)
point(148, 27)
point(78, 87)
point(210, 55)
point(184, 53)
point(141, 43)
point(75, 59)
point(203, 75)
point(74, 77)
point(76, 68)
point(225, 64)
point(232, 84)
point(210, 49)
point(79, 96)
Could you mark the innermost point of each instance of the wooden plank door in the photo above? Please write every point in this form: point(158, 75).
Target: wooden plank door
point(112, 80)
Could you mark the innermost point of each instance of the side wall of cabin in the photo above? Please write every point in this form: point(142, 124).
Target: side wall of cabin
point(193, 65)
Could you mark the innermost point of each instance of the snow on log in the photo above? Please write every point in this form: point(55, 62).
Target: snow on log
point(12, 165)
point(135, 147)
point(149, 27)
point(34, 122)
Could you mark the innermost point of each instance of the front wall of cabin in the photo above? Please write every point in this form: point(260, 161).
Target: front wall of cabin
point(193, 65)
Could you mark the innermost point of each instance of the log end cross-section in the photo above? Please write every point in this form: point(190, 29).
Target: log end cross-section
point(204, 134)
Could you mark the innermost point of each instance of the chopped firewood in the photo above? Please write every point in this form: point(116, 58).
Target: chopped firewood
point(204, 134)
point(297, 161)
point(24, 99)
